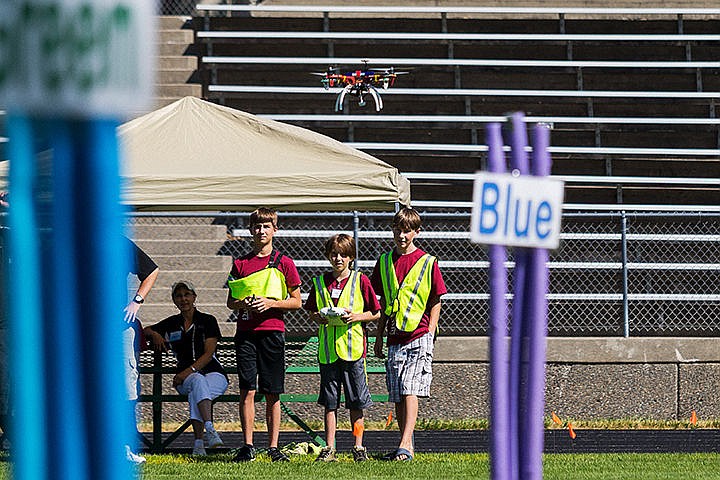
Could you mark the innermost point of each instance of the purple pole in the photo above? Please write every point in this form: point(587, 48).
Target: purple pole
point(519, 162)
point(536, 317)
point(500, 461)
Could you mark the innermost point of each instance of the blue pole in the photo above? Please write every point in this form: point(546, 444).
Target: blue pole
point(500, 439)
point(104, 272)
point(67, 417)
point(518, 394)
point(26, 328)
point(536, 317)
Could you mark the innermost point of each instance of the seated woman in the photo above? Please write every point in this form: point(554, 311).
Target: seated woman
point(193, 337)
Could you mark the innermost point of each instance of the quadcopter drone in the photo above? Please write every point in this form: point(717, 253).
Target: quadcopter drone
point(359, 83)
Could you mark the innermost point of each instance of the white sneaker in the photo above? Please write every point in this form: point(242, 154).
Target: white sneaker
point(133, 457)
point(199, 449)
point(212, 439)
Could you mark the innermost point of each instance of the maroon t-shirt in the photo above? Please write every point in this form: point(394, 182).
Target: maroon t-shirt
point(271, 319)
point(403, 264)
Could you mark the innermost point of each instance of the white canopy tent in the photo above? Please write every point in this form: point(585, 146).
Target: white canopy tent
point(196, 155)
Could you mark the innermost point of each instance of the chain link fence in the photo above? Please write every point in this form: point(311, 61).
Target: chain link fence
point(187, 7)
point(613, 274)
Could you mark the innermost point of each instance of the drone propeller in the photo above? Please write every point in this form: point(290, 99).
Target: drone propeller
point(330, 71)
point(390, 71)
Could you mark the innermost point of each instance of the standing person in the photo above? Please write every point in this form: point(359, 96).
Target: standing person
point(410, 286)
point(342, 341)
point(147, 272)
point(264, 284)
point(193, 337)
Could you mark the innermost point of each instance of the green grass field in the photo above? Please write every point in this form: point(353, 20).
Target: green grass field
point(439, 466)
point(431, 466)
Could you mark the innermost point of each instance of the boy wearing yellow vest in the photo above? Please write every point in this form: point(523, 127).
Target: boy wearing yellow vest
point(342, 302)
point(410, 285)
point(263, 284)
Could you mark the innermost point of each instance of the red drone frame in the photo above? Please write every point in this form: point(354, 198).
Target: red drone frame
point(359, 83)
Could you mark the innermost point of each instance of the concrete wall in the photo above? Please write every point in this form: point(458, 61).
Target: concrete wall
point(595, 378)
point(587, 378)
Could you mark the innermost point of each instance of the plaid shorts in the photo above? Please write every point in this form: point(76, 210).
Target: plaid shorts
point(409, 368)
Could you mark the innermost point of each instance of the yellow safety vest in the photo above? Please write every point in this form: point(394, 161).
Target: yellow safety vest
point(346, 342)
point(268, 282)
point(406, 303)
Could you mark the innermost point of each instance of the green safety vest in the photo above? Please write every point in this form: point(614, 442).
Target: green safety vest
point(406, 303)
point(346, 342)
point(268, 282)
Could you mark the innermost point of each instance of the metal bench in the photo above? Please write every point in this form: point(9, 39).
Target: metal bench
point(301, 358)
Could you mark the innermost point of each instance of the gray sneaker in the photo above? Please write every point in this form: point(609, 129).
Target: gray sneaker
point(212, 439)
point(359, 454)
point(327, 454)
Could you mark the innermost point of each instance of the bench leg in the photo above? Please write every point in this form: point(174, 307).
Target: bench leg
point(317, 439)
point(175, 434)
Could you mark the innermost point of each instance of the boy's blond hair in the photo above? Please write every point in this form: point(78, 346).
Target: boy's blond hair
point(263, 215)
point(342, 243)
point(407, 219)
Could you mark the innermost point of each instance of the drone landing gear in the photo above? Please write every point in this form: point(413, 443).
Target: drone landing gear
point(372, 91)
point(376, 96)
point(341, 98)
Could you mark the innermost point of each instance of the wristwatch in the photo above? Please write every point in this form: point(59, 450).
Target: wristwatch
point(138, 298)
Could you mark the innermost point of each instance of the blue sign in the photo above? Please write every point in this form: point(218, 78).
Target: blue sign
point(521, 211)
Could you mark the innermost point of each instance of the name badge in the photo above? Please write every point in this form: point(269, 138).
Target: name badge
point(335, 293)
point(174, 336)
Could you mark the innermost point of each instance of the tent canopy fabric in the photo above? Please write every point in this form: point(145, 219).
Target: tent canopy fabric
point(196, 155)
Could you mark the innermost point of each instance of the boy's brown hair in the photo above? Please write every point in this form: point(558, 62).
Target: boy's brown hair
point(263, 215)
point(342, 243)
point(407, 219)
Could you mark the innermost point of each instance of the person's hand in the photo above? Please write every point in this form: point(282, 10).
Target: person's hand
point(260, 304)
point(349, 317)
point(158, 343)
point(131, 312)
point(378, 348)
point(180, 377)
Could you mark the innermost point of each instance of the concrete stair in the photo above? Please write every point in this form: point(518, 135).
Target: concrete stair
point(186, 250)
point(176, 64)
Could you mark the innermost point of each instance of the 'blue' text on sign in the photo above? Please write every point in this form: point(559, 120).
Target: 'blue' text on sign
point(522, 211)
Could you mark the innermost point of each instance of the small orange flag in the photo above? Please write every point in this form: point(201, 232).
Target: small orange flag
point(555, 418)
point(571, 432)
point(389, 420)
point(693, 418)
point(358, 429)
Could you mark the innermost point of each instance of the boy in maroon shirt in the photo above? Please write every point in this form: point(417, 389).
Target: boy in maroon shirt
point(410, 284)
point(266, 283)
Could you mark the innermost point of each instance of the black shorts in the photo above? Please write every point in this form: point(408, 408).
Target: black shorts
point(261, 361)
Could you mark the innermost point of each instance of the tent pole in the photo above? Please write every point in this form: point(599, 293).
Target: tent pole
point(356, 232)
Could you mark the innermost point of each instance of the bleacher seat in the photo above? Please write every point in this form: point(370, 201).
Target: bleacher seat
point(557, 63)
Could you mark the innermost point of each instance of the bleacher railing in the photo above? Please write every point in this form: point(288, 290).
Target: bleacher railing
point(630, 125)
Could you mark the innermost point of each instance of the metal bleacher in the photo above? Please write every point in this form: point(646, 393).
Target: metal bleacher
point(630, 94)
